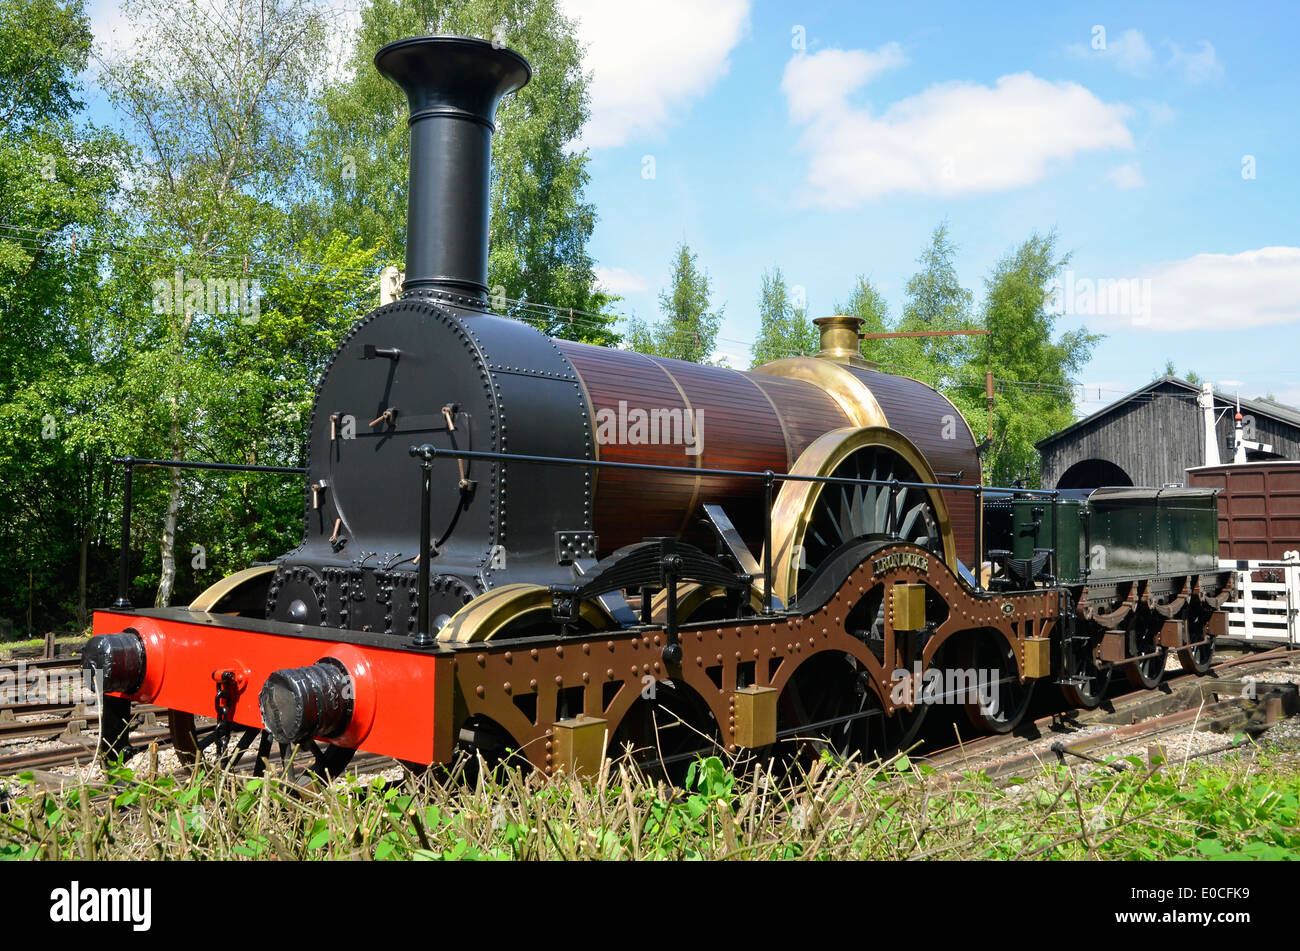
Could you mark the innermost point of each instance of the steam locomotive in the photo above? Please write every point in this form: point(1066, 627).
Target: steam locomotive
point(518, 544)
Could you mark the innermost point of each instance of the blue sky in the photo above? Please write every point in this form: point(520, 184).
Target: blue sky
point(1160, 141)
point(1134, 153)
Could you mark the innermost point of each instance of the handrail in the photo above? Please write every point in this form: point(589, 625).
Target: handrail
point(427, 452)
point(129, 463)
point(132, 462)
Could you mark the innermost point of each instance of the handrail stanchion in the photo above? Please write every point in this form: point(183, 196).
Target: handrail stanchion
point(123, 601)
point(422, 636)
point(978, 567)
point(1056, 543)
point(767, 542)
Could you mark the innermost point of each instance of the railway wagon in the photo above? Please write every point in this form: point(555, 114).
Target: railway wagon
point(516, 544)
point(1259, 507)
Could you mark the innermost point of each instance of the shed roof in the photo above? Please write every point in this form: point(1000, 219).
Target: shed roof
point(1259, 407)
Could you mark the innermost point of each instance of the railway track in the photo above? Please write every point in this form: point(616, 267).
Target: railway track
point(1182, 700)
point(40, 663)
point(77, 727)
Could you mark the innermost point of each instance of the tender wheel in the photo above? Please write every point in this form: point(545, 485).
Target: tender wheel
point(810, 520)
point(1089, 694)
point(1001, 706)
point(1092, 684)
point(1144, 674)
point(1198, 658)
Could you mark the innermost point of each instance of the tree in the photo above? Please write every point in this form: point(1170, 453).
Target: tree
point(58, 308)
point(936, 301)
point(869, 305)
point(215, 99)
point(1170, 370)
point(1033, 371)
point(1036, 397)
point(784, 329)
point(541, 223)
point(689, 330)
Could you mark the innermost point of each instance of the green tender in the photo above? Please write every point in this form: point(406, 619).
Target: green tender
point(1122, 533)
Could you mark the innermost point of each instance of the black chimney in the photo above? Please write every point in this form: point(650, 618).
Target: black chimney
point(453, 85)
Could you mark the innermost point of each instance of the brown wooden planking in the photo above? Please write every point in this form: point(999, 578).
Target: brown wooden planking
point(806, 410)
point(1154, 436)
point(751, 422)
point(1259, 507)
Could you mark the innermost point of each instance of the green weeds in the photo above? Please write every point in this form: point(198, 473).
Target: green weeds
point(833, 810)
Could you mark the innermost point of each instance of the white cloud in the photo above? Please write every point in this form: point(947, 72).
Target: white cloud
point(650, 60)
point(1221, 292)
point(1159, 113)
point(1128, 52)
point(1126, 176)
point(1227, 291)
point(1197, 67)
point(617, 280)
point(820, 83)
point(114, 34)
point(1218, 292)
point(952, 139)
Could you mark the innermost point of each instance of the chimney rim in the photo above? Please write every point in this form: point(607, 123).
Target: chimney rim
point(454, 39)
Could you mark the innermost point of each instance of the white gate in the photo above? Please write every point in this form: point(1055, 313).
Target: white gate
point(1265, 610)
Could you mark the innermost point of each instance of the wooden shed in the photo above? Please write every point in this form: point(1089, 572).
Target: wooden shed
point(1152, 436)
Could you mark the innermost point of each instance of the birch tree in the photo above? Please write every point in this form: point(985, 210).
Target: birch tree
point(214, 95)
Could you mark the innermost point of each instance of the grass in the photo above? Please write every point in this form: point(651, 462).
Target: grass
point(833, 810)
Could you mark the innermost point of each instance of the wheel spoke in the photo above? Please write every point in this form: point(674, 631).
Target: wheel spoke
point(839, 516)
point(873, 505)
point(839, 511)
point(858, 516)
point(905, 530)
